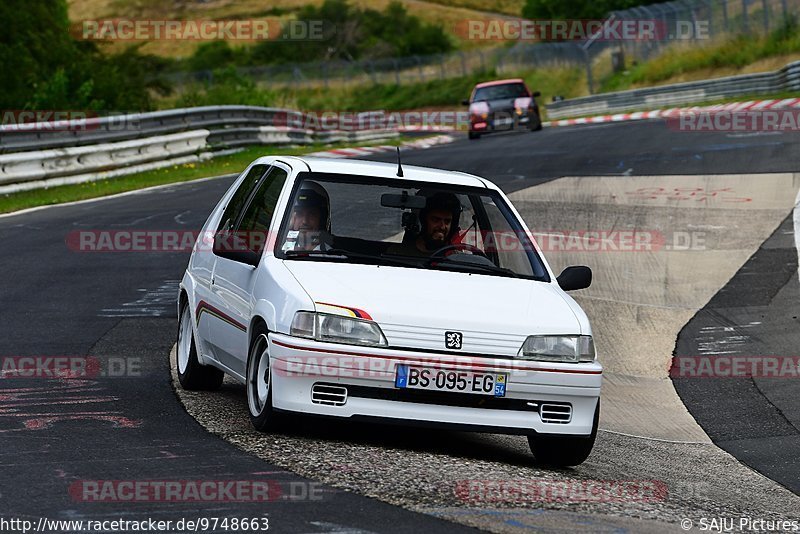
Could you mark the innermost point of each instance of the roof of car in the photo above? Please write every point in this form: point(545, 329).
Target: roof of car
point(499, 82)
point(385, 170)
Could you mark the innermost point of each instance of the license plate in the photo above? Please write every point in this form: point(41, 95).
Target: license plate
point(410, 377)
point(503, 122)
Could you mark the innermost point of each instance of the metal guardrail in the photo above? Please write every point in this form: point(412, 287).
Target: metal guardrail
point(44, 153)
point(785, 79)
point(115, 128)
point(52, 150)
point(54, 163)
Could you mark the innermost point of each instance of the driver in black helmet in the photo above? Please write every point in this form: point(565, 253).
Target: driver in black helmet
point(309, 222)
point(438, 225)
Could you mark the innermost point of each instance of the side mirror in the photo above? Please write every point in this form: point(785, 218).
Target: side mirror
point(465, 102)
point(536, 94)
point(575, 277)
point(235, 249)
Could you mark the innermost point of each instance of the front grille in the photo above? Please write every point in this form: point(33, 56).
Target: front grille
point(555, 413)
point(328, 394)
point(475, 343)
point(463, 400)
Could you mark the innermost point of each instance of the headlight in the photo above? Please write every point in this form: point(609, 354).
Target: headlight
point(566, 349)
point(336, 329)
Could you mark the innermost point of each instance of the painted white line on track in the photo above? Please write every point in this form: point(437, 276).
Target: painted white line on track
point(657, 439)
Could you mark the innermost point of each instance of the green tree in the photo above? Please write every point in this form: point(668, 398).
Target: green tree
point(44, 67)
point(34, 44)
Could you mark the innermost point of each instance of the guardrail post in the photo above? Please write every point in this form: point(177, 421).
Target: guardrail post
point(745, 22)
point(725, 14)
point(675, 14)
point(589, 81)
point(709, 5)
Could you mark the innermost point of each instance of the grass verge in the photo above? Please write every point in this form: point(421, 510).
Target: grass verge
point(232, 89)
point(723, 58)
point(233, 163)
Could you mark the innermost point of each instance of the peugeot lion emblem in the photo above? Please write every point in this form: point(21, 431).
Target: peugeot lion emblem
point(452, 340)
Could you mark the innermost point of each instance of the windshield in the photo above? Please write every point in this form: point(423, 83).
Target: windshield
point(499, 92)
point(356, 219)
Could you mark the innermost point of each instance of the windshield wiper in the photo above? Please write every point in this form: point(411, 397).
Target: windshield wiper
point(346, 254)
point(489, 267)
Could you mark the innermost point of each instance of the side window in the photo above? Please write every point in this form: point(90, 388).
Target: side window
point(505, 241)
point(239, 199)
point(468, 231)
point(259, 212)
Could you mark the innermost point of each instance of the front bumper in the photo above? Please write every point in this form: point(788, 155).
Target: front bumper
point(501, 122)
point(369, 375)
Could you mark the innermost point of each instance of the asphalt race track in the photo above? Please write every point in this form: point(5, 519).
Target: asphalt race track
point(718, 446)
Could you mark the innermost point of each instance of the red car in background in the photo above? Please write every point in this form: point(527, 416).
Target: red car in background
point(502, 105)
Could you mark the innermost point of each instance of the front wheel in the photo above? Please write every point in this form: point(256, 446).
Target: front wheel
point(191, 374)
point(259, 385)
point(564, 451)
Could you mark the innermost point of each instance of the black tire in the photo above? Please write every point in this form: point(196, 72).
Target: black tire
point(473, 135)
point(564, 451)
point(191, 374)
point(259, 393)
point(535, 122)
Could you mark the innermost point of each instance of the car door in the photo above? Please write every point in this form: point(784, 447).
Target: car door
point(233, 281)
point(204, 261)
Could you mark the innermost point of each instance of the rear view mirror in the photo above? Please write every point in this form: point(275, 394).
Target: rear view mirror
point(575, 277)
point(403, 201)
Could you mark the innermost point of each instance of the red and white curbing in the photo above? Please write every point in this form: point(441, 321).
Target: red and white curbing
point(752, 105)
point(367, 150)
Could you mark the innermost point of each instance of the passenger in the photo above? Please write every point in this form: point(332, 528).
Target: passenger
point(310, 222)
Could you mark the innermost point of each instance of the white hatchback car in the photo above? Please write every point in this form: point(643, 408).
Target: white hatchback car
point(367, 290)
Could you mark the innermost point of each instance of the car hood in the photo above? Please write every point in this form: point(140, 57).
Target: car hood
point(415, 307)
point(502, 104)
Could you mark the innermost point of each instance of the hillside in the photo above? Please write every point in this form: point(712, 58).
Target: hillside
point(447, 13)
